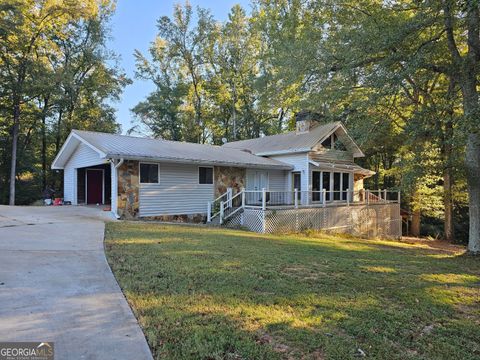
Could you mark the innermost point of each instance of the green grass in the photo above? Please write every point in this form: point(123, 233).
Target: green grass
point(207, 293)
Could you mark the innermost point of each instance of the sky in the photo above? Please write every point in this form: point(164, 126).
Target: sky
point(134, 27)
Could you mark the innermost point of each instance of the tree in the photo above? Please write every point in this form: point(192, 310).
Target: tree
point(26, 43)
point(54, 76)
point(380, 50)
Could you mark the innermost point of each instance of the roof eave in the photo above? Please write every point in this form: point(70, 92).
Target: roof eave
point(65, 145)
point(283, 152)
point(200, 162)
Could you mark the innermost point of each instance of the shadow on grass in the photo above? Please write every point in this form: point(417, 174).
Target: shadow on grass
point(215, 293)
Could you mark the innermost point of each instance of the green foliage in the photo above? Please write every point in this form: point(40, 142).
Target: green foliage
point(55, 69)
point(208, 79)
point(373, 65)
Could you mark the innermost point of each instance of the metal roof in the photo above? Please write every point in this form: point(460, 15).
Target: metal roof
point(292, 141)
point(138, 148)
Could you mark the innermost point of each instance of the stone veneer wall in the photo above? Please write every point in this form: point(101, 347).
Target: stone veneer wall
point(226, 177)
point(128, 189)
point(358, 187)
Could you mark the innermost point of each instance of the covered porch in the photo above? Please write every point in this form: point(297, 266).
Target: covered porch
point(364, 212)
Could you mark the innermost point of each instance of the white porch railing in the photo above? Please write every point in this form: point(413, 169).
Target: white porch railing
point(228, 204)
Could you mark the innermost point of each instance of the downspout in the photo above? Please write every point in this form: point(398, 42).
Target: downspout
point(115, 168)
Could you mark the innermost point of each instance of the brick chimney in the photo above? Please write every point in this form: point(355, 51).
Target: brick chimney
point(305, 120)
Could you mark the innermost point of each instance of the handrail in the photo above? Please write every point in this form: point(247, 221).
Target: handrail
point(264, 199)
point(233, 212)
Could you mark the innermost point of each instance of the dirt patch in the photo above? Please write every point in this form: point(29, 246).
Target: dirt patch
point(441, 246)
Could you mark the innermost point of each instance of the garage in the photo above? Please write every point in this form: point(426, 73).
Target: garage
point(87, 174)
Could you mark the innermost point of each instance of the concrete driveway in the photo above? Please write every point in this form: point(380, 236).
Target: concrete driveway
point(55, 285)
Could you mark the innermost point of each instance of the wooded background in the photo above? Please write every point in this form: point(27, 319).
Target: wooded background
point(402, 76)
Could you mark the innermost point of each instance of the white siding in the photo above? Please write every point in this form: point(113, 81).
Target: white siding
point(277, 179)
point(82, 156)
point(300, 164)
point(177, 193)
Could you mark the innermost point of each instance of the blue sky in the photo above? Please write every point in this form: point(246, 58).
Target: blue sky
point(134, 27)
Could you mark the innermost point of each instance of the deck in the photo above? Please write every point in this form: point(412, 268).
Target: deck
point(364, 213)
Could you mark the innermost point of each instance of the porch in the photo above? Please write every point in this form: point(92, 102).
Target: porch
point(362, 213)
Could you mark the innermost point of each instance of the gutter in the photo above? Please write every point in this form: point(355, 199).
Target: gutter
point(279, 166)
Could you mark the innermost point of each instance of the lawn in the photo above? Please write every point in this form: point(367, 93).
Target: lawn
point(211, 293)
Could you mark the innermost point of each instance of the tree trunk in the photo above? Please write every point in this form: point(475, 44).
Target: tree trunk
point(59, 130)
point(471, 111)
point(415, 229)
point(448, 181)
point(472, 159)
point(44, 144)
point(13, 166)
point(448, 204)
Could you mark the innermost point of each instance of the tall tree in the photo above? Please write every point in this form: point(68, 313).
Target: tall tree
point(28, 31)
point(54, 74)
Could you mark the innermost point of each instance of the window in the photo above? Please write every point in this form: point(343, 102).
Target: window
point(316, 185)
point(297, 183)
point(327, 143)
point(336, 185)
point(326, 184)
point(205, 175)
point(148, 173)
point(345, 185)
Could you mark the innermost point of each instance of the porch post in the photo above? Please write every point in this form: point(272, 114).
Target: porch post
point(243, 197)
point(379, 195)
point(367, 196)
point(324, 197)
point(348, 197)
point(295, 201)
point(264, 199)
point(209, 211)
point(221, 212)
point(229, 197)
point(113, 188)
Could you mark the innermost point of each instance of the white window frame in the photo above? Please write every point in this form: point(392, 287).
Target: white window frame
point(331, 177)
point(139, 173)
point(213, 175)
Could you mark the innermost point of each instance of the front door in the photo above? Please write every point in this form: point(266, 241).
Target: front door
point(256, 181)
point(297, 183)
point(94, 186)
point(261, 180)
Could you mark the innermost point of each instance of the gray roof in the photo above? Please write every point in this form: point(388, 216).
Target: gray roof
point(130, 147)
point(291, 141)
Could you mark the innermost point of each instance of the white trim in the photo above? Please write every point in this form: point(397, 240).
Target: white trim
point(354, 168)
point(139, 172)
point(65, 145)
point(86, 184)
point(114, 186)
point(62, 149)
point(75, 187)
point(293, 173)
point(283, 152)
point(213, 174)
point(100, 152)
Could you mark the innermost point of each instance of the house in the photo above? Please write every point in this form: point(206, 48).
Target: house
point(312, 167)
